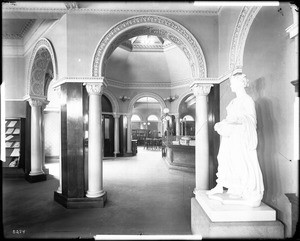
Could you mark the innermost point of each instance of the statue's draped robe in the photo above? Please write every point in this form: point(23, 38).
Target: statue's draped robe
point(238, 168)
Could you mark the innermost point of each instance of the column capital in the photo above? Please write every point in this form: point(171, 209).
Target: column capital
point(129, 115)
point(116, 115)
point(38, 102)
point(176, 115)
point(200, 89)
point(94, 88)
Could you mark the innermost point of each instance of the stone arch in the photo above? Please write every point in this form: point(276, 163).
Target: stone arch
point(42, 57)
point(151, 25)
point(181, 97)
point(240, 34)
point(146, 94)
point(112, 99)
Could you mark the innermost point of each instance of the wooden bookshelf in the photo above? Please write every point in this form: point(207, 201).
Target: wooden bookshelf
point(14, 147)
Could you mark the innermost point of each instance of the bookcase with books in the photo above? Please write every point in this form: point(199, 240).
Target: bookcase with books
point(14, 147)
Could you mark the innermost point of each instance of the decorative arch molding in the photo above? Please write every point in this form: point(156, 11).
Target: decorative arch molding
point(112, 99)
point(240, 34)
point(146, 94)
point(42, 55)
point(151, 25)
point(181, 97)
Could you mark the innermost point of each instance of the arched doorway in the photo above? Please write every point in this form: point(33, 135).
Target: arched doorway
point(149, 25)
point(42, 70)
point(149, 126)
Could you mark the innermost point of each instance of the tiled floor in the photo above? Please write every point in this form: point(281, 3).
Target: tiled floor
point(144, 197)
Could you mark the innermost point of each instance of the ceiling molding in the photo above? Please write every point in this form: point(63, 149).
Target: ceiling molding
point(22, 32)
point(144, 11)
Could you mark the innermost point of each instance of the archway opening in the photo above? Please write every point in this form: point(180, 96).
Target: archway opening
point(149, 125)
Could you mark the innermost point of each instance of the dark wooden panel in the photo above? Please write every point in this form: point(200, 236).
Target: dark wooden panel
point(72, 140)
point(214, 138)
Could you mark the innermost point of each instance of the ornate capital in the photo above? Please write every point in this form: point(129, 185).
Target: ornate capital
point(94, 88)
point(116, 116)
point(37, 102)
point(201, 89)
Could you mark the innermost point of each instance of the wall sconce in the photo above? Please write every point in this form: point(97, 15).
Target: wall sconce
point(171, 98)
point(124, 98)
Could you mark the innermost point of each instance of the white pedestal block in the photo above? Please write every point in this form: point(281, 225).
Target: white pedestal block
point(202, 225)
point(219, 212)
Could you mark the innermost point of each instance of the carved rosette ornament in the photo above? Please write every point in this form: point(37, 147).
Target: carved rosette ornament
point(201, 89)
point(94, 88)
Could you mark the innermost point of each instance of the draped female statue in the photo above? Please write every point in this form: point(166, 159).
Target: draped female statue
point(238, 167)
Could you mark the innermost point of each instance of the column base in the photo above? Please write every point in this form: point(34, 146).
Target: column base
point(77, 203)
point(202, 224)
point(35, 178)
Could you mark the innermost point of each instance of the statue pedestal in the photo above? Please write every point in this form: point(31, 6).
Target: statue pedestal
point(212, 219)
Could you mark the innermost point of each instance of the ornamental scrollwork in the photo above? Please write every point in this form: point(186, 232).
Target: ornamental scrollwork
point(182, 35)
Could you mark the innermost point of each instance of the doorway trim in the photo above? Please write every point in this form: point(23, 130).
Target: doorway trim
point(150, 25)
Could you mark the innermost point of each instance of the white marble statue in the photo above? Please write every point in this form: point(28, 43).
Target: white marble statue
point(238, 167)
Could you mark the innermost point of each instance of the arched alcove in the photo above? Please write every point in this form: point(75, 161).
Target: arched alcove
point(149, 25)
point(42, 68)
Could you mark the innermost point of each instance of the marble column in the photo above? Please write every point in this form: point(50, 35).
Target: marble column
point(296, 138)
point(129, 134)
point(201, 135)
point(45, 103)
point(36, 134)
point(177, 125)
point(95, 145)
point(117, 140)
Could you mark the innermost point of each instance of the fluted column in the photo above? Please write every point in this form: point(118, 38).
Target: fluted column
point(95, 145)
point(117, 149)
point(201, 134)
point(36, 134)
point(129, 134)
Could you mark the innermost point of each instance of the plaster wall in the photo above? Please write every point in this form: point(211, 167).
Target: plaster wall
point(268, 63)
point(86, 30)
point(140, 67)
point(57, 35)
point(13, 73)
point(227, 20)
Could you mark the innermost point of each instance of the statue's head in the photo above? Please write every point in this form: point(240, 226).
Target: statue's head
point(238, 81)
